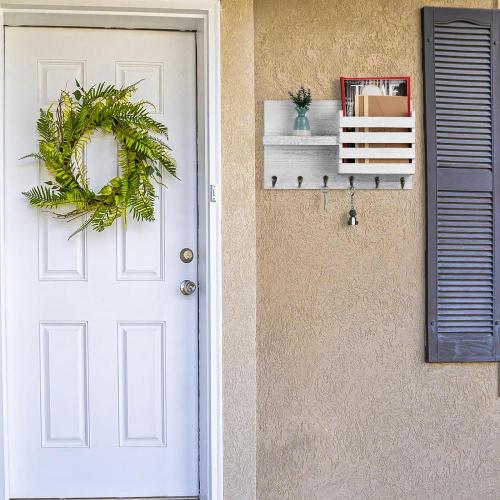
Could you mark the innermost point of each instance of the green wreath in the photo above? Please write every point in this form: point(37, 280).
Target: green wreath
point(143, 157)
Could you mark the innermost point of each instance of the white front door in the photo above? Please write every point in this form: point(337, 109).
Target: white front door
point(102, 348)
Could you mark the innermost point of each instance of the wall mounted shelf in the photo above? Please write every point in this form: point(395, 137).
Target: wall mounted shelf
point(291, 140)
point(316, 161)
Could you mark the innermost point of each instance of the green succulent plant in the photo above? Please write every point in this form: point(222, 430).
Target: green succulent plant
point(302, 98)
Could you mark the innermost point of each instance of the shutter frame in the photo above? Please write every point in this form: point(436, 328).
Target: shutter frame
point(471, 333)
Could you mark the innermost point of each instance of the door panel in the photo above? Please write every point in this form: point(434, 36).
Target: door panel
point(63, 384)
point(141, 372)
point(102, 353)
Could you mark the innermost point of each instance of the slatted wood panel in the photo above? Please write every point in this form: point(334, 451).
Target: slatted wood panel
point(461, 80)
point(462, 56)
point(397, 135)
point(465, 264)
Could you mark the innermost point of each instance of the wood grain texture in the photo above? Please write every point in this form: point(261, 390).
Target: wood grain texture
point(377, 122)
point(323, 117)
point(380, 153)
point(291, 140)
point(377, 137)
point(404, 169)
point(316, 157)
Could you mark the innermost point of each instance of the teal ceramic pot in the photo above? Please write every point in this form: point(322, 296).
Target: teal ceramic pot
point(301, 125)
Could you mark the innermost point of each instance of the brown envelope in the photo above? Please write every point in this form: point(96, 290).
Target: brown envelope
point(375, 105)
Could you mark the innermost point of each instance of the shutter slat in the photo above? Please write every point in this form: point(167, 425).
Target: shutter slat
point(465, 69)
point(458, 39)
point(470, 85)
point(461, 142)
point(447, 256)
point(451, 111)
point(477, 166)
point(460, 92)
point(458, 130)
point(462, 103)
point(446, 251)
point(471, 58)
point(467, 297)
point(443, 36)
point(451, 94)
point(449, 74)
point(482, 123)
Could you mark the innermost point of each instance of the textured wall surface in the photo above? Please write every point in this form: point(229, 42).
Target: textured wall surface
point(347, 408)
point(238, 243)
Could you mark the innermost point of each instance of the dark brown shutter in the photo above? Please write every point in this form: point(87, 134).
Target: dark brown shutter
point(462, 92)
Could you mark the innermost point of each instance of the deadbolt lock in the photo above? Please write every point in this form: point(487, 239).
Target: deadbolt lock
point(186, 255)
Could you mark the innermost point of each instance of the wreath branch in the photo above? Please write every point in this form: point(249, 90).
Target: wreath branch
point(143, 157)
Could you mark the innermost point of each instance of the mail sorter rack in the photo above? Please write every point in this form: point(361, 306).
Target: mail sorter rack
point(341, 150)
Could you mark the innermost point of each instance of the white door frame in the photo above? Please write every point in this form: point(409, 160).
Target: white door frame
point(202, 16)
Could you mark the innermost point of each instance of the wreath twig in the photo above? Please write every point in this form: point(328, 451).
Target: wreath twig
point(143, 156)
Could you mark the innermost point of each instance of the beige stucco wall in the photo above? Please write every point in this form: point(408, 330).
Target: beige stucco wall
point(347, 408)
point(238, 244)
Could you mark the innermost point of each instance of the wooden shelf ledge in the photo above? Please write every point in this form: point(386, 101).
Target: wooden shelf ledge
point(301, 140)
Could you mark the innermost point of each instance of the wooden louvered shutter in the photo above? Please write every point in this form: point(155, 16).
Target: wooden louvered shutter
point(462, 93)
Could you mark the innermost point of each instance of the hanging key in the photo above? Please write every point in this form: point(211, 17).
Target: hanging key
point(325, 191)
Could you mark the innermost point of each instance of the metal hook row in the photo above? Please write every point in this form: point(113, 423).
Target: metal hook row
point(300, 179)
point(377, 182)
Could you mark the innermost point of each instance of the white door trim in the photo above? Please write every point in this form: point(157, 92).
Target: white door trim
point(202, 16)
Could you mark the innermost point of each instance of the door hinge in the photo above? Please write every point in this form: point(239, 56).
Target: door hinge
point(213, 193)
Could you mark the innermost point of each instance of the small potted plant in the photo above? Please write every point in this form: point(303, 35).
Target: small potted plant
point(302, 100)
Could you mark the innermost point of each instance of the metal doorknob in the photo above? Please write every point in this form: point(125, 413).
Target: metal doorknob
point(188, 287)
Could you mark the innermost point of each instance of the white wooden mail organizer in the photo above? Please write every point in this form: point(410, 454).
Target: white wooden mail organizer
point(317, 161)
